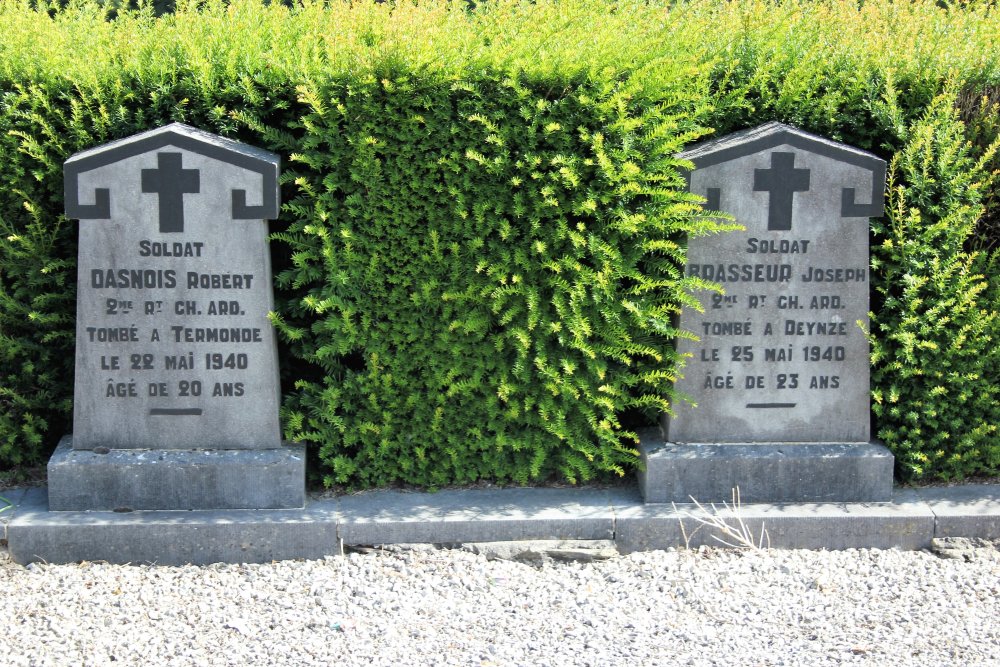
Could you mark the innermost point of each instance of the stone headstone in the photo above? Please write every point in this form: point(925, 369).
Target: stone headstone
point(782, 358)
point(175, 353)
point(174, 348)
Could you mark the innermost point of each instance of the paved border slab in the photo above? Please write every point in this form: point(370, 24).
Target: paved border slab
point(15, 497)
point(907, 525)
point(969, 510)
point(910, 521)
point(477, 515)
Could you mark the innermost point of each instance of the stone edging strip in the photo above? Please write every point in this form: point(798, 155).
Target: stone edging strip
point(326, 526)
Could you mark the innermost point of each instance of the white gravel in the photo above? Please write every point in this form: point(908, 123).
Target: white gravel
point(451, 607)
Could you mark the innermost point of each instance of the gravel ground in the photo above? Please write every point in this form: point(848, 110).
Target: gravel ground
point(425, 606)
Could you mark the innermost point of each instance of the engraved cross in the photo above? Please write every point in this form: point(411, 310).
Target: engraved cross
point(782, 181)
point(171, 182)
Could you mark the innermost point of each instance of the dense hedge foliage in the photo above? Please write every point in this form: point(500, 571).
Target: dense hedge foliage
point(478, 256)
point(936, 338)
point(487, 275)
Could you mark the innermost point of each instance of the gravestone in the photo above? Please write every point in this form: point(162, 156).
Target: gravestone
point(778, 379)
point(176, 390)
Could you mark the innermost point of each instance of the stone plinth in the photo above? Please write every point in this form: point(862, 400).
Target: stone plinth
point(175, 479)
point(764, 473)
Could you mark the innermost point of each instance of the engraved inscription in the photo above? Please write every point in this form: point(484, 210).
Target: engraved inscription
point(782, 353)
point(182, 327)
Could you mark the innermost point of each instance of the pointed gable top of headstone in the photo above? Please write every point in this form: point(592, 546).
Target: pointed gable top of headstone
point(169, 174)
point(774, 134)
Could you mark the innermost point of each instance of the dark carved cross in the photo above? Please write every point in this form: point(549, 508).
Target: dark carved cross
point(171, 182)
point(782, 181)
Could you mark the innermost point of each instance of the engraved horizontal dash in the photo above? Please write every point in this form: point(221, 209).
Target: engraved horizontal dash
point(175, 411)
point(770, 405)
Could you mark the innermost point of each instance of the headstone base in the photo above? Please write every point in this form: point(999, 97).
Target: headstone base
point(764, 472)
point(176, 479)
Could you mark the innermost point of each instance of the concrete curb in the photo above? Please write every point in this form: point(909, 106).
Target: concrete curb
point(908, 525)
point(325, 526)
point(483, 515)
point(15, 497)
point(971, 510)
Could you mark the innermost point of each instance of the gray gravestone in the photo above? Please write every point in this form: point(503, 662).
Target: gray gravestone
point(779, 377)
point(175, 354)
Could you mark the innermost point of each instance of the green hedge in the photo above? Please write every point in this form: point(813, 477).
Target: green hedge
point(485, 273)
point(936, 337)
point(478, 259)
